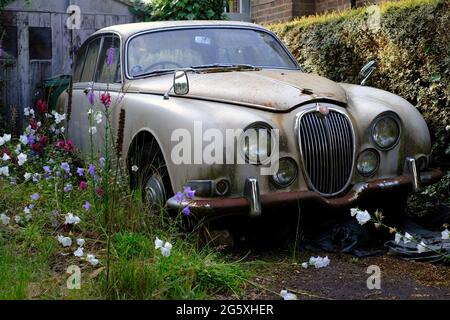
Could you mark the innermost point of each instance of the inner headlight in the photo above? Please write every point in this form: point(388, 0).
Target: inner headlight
point(256, 143)
point(368, 162)
point(386, 131)
point(287, 172)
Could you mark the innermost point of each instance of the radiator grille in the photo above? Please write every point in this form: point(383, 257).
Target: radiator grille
point(327, 147)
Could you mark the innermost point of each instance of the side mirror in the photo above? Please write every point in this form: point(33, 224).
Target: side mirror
point(180, 83)
point(367, 71)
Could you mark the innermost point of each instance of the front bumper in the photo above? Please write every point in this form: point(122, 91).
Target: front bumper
point(252, 203)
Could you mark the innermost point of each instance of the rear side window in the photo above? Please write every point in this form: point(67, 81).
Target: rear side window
point(108, 70)
point(79, 64)
point(87, 74)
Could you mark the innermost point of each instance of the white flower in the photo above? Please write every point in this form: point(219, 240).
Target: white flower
point(407, 238)
point(62, 129)
point(27, 210)
point(6, 157)
point(21, 159)
point(134, 168)
point(23, 139)
point(18, 149)
point(80, 242)
point(6, 138)
point(17, 219)
point(353, 211)
point(158, 243)
point(71, 219)
point(398, 237)
point(362, 217)
point(65, 241)
point(165, 251)
point(98, 117)
point(79, 252)
point(305, 265)
point(447, 128)
point(319, 262)
point(59, 117)
point(93, 130)
point(422, 247)
point(28, 111)
point(4, 171)
point(27, 176)
point(287, 295)
point(91, 259)
point(445, 234)
point(5, 219)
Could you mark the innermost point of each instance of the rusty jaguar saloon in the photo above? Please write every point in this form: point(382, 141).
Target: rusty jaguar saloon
point(182, 87)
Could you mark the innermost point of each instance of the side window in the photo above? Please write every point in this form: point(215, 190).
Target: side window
point(40, 43)
point(8, 42)
point(79, 64)
point(108, 70)
point(90, 61)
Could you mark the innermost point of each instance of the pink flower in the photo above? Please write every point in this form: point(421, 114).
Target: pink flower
point(83, 185)
point(106, 99)
point(41, 106)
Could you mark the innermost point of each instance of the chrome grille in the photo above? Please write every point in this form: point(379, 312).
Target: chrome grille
point(327, 147)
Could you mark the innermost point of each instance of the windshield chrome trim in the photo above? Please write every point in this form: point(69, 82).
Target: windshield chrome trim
point(255, 28)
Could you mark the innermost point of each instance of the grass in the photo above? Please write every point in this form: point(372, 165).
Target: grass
point(33, 264)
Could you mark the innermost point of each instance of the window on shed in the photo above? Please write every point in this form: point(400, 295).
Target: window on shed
point(40, 43)
point(109, 72)
point(90, 61)
point(8, 43)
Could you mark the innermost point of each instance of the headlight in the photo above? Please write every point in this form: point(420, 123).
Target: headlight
point(287, 172)
point(386, 131)
point(368, 162)
point(256, 143)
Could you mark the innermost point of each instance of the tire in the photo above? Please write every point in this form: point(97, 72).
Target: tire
point(152, 177)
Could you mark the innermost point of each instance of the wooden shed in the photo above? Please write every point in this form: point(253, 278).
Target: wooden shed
point(38, 42)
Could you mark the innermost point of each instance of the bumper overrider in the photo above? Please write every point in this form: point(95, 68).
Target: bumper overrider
point(252, 202)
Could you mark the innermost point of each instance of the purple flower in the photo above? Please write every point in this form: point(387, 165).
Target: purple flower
point(65, 166)
point(179, 197)
point(189, 192)
point(34, 196)
point(68, 188)
point(91, 97)
point(87, 206)
point(110, 56)
point(102, 162)
point(31, 139)
point(92, 170)
point(80, 172)
point(47, 169)
point(31, 206)
point(1, 51)
point(186, 211)
point(36, 177)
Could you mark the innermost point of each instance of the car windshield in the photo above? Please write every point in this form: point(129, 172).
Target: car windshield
point(205, 48)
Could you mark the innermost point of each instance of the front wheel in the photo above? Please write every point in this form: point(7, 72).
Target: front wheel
point(151, 177)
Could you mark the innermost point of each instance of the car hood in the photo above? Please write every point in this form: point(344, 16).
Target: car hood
point(276, 90)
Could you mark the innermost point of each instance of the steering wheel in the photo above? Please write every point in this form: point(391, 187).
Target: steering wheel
point(162, 63)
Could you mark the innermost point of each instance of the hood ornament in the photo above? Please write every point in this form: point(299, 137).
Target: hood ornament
point(323, 110)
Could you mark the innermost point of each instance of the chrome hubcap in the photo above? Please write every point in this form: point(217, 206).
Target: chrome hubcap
point(154, 190)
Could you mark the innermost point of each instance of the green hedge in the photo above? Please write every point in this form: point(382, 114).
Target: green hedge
point(411, 44)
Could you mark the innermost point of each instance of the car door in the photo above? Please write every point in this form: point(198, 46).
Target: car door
point(107, 80)
point(83, 81)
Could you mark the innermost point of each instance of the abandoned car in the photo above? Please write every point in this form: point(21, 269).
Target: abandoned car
point(334, 145)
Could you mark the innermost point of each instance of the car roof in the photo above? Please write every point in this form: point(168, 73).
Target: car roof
point(127, 30)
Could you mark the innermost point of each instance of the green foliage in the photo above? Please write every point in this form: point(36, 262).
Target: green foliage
point(410, 44)
point(161, 10)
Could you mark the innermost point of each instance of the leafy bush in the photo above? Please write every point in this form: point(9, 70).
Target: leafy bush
point(161, 10)
point(410, 44)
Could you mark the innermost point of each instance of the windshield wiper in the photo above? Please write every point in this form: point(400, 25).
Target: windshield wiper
point(154, 72)
point(226, 66)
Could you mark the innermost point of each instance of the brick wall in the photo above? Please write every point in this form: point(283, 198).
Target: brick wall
point(268, 11)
